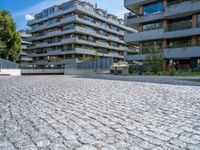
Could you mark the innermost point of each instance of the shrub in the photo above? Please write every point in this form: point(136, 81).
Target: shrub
point(172, 72)
point(134, 69)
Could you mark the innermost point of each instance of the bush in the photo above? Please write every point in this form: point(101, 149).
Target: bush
point(133, 69)
point(172, 72)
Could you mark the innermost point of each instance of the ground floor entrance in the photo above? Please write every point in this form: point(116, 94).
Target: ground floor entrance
point(184, 64)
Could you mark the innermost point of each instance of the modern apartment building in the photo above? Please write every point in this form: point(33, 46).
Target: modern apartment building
point(173, 25)
point(25, 43)
point(73, 30)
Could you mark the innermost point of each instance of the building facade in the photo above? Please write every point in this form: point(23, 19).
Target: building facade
point(173, 25)
point(75, 30)
point(24, 59)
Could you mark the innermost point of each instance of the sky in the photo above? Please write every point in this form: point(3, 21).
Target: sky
point(23, 10)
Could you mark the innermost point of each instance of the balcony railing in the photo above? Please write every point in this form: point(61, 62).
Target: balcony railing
point(180, 1)
point(182, 45)
point(180, 25)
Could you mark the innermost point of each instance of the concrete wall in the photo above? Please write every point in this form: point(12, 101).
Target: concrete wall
point(73, 71)
point(10, 72)
point(42, 71)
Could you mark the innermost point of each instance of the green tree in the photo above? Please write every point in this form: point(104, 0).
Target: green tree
point(155, 59)
point(96, 55)
point(10, 40)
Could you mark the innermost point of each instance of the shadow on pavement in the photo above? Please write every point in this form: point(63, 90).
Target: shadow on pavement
point(185, 81)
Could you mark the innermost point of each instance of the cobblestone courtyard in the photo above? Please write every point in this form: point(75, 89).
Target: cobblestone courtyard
point(61, 112)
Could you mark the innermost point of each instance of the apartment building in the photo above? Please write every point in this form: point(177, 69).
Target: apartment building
point(24, 59)
point(73, 30)
point(173, 25)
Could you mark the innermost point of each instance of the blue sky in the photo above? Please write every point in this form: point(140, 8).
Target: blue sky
point(24, 9)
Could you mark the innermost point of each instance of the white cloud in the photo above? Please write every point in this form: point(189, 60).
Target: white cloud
point(28, 17)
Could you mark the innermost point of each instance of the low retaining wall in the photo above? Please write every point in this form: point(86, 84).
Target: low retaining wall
point(72, 71)
point(10, 72)
point(42, 71)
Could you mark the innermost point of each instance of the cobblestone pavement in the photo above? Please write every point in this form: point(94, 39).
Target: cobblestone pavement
point(61, 112)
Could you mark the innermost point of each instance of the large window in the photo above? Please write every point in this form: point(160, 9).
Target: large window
point(52, 10)
point(68, 6)
point(198, 41)
point(68, 26)
point(89, 19)
point(180, 24)
point(33, 27)
point(152, 26)
point(153, 8)
point(68, 15)
point(39, 17)
point(46, 13)
point(187, 42)
point(102, 32)
point(198, 20)
point(51, 21)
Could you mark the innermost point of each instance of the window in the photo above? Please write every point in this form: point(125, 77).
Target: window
point(68, 15)
point(90, 38)
point(180, 24)
point(180, 43)
point(67, 47)
point(52, 10)
point(152, 26)
point(39, 17)
point(34, 27)
point(114, 28)
point(115, 44)
point(198, 20)
point(89, 19)
point(102, 32)
point(46, 13)
point(89, 28)
point(198, 41)
point(68, 26)
point(68, 6)
point(103, 50)
point(153, 8)
point(51, 21)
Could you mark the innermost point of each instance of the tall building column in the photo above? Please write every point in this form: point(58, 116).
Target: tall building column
point(194, 20)
point(164, 43)
point(140, 47)
point(165, 3)
point(141, 9)
point(194, 40)
point(140, 27)
point(165, 25)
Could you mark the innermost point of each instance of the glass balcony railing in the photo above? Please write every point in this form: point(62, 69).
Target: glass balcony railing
point(180, 25)
point(172, 2)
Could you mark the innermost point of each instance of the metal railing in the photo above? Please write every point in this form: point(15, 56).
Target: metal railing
point(6, 64)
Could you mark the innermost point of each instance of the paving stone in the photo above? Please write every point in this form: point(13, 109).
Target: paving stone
point(67, 112)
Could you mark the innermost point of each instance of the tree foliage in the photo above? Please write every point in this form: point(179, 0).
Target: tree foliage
point(10, 40)
point(155, 59)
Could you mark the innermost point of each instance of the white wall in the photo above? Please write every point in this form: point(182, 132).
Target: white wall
point(11, 72)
